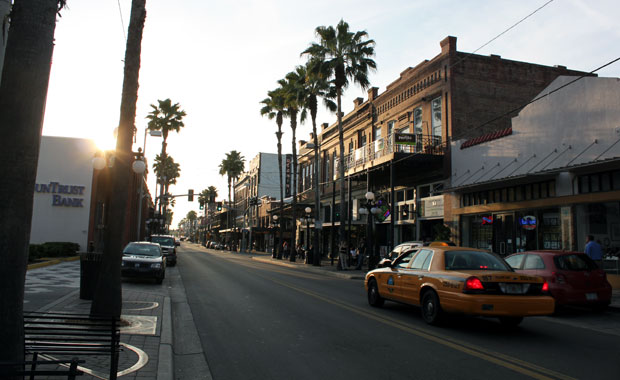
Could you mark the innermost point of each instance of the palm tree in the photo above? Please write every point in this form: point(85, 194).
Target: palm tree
point(165, 117)
point(232, 166)
point(274, 108)
point(107, 297)
point(167, 171)
point(292, 90)
point(345, 56)
point(316, 85)
point(22, 105)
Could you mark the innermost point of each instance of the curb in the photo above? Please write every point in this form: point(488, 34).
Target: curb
point(344, 276)
point(49, 262)
point(165, 360)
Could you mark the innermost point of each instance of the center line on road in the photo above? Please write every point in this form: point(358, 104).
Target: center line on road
point(517, 365)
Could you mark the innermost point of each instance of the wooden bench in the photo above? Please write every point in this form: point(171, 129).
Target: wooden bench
point(58, 336)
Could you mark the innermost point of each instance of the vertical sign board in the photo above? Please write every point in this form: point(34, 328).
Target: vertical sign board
point(289, 165)
point(432, 207)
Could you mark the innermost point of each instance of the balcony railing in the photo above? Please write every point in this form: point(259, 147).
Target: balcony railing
point(417, 144)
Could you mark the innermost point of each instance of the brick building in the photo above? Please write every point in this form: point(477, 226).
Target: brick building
point(397, 143)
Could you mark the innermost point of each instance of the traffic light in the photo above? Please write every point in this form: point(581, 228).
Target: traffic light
point(219, 206)
point(202, 206)
point(190, 195)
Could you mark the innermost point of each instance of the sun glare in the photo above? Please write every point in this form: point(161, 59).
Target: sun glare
point(105, 140)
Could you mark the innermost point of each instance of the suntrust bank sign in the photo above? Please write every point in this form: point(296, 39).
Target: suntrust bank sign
point(62, 195)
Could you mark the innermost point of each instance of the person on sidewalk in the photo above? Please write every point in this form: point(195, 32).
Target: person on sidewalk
point(361, 252)
point(342, 256)
point(285, 251)
point(594, 250)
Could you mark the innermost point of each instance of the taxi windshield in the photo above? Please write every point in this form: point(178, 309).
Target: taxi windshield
point(474, 260)
point(142, 250)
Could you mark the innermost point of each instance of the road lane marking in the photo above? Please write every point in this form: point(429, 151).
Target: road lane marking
point(517, 365)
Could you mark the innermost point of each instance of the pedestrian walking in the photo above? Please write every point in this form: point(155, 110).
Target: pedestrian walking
point(285, 251)
point(594, 250)
point(342, 255)
point(361, 252)
point(353, 253)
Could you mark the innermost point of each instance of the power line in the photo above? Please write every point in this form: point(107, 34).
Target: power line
point(122, 22)
point(502, 33)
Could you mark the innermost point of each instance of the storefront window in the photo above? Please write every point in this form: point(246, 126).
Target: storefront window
point(602, 220)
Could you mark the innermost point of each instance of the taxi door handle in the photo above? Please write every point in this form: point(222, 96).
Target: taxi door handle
point(420, 277)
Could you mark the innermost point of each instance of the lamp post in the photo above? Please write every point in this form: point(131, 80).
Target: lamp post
point(370, 209)
point(308, 218)
point(139, 167)
point(275, 222)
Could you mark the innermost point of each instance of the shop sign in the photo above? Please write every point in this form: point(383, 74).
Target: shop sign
point(404, 138)
point(432, 207)
point(59, 191)
point(487, 220)
point(528, 222)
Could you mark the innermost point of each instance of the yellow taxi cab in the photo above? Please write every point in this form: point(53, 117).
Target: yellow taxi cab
point(448, 279)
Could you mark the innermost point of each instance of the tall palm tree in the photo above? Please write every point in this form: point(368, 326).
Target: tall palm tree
point(167, 171)
point(165, 117)
point(316, 84)
point(274, 108)
point(292, 90)
point(232, 166)
point(346, 56)
point(22, 104)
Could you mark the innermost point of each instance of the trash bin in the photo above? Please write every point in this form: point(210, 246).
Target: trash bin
point(90, 263)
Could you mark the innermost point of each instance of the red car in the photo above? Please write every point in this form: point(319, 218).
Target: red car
point(573, 278)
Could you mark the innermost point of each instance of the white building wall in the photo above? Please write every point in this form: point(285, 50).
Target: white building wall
point(269, 183)
point(576, 125)
point(63, 189)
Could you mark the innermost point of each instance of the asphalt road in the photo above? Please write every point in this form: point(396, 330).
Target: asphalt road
point(262, 321)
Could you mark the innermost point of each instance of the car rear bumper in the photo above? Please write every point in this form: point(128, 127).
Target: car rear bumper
point(499, 305)
point(142, 272)
point(569, 296)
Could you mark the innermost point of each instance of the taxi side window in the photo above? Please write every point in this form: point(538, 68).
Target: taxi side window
point(515, 261)
point(404, 260)
point(534, 262)
point(422, 259)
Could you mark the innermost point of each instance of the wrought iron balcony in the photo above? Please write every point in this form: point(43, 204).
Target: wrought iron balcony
point(385, 149)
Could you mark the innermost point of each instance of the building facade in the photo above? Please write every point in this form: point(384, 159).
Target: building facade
point(397, 143)
point(547, 181)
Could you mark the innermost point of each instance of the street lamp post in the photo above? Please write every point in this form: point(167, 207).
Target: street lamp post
point(370, 209)
point(308, 218)
point(275, 224)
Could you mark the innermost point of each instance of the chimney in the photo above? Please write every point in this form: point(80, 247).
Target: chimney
point(448, 45)
point(372, 93)
point(324, 126)
point(358, 101)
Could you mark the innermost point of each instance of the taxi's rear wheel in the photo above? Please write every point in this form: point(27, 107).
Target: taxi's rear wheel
point(431, 309)
point(510, 322)
point(374, 298)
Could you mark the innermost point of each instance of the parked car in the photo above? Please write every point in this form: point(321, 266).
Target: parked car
point(573, 278)
point(459, 280)
point(402, 248)
point(143, 259)
point(168, 247)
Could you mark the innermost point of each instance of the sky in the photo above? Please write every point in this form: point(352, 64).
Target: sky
point(218, 60)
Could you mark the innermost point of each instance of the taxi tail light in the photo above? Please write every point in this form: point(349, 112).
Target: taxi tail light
point(545, 287)
point(473, 283)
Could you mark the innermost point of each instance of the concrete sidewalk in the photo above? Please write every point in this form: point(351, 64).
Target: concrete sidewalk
point(146, 336)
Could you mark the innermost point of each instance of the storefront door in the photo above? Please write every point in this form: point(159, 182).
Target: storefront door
point(504, 234)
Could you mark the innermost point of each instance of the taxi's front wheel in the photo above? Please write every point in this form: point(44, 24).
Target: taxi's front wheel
point(431, 309)
point(374, 298)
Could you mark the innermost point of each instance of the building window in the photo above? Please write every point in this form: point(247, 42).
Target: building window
point(377, 134)
point(417, 121)
point(436, 121)
point(391, 124)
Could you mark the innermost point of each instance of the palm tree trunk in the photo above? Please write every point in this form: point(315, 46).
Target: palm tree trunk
point(294, 202)
point(341, 231)
point(22, 104)
point(316, 259)
point(107, 298)
point(279, 241)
